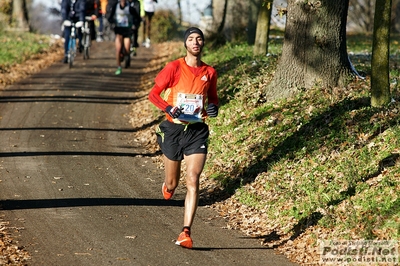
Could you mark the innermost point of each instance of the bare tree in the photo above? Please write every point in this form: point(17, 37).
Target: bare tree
point(224, 12)
point(380, 88)
point(252, 17)
point(395, 18)
point(314, 49)
point(236, 19)
point(178, 2)
point(20, 16)
point(361, 15)
point(263, 26)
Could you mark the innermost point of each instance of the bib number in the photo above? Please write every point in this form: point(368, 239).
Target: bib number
point(123, 21)
point(192, 107)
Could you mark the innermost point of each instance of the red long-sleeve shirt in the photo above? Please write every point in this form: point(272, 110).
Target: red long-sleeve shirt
point(178, 77)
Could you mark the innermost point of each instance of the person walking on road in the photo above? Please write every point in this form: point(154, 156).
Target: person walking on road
point(74, 11)
point(149, 7)
point(190, 96)
point(102, 15)
point(135, 27)
point(92, 10)
point(123, 14)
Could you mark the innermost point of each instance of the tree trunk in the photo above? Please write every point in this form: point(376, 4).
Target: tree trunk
point(251, 25)
point(236, 19)
point(224, 11)
point(314, 50)
point(380, 87)
point(179, 12)
point(263, 25)
point(20, 15)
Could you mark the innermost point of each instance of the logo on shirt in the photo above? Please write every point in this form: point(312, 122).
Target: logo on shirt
point(203, 146)
point(204, 78)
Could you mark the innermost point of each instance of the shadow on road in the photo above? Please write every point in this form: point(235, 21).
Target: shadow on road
point(85, 202)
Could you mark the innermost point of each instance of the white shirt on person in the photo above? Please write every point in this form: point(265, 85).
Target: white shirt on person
point(149, 5)
point(123, 16)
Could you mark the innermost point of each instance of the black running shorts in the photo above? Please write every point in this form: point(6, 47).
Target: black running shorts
point(125, 32)
point(149, 14)
point(176, 140)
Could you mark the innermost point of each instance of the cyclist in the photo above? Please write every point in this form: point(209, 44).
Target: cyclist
point(187, 85)
point(72, 10)
point(123, 14)
point(92, 10)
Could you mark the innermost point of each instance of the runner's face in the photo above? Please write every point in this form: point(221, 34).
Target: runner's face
point(194, 44)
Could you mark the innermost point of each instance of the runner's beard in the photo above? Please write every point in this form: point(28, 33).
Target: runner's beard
point(195, 53)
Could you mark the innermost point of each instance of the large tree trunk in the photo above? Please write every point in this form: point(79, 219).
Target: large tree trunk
point(20, 15)
point(263, 25)
point(314, 50)
point(380, 88)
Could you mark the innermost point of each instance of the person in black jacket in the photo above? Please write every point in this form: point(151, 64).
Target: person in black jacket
point(92, 9)
point(136, 25)
point(123, 15)
point(74, 11)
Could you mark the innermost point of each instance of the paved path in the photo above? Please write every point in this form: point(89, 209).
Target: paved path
point(79, 191)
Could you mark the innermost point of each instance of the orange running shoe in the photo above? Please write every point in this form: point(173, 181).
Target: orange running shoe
point(184, 239)
point(167, 195)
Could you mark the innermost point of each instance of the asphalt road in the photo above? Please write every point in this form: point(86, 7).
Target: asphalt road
point(79, 191)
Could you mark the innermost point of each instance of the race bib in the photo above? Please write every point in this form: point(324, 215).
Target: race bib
point(122, 20)
point(192, 107)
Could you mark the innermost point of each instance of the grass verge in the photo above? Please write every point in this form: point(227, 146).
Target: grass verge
point(17, 47)
point(323, 163)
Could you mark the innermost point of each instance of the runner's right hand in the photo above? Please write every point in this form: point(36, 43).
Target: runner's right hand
point(174, 112)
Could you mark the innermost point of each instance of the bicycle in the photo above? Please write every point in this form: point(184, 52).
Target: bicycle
point(108, 33)
point(72, 40)
point(86, 38)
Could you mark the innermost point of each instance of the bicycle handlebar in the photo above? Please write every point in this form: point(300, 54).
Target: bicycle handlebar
point(68, 23)
point(79, 24)
point(89, 18)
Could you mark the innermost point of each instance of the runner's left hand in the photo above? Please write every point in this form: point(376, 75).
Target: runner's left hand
point(212, 110)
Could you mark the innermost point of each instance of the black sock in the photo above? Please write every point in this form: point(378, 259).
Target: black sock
point(186, 227)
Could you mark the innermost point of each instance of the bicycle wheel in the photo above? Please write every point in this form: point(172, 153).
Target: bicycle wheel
point(107, 31)
point(86, 52)
point(83, 43)
point(71, 51)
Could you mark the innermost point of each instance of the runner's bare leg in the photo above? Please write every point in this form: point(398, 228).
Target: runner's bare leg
point(172, 173)
point(118, 46)
point(194, 167)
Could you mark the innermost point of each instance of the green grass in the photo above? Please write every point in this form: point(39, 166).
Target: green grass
point(16, 47)
point(324, 155)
